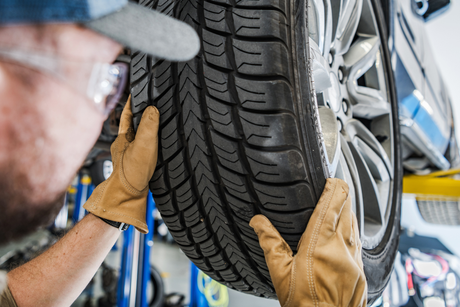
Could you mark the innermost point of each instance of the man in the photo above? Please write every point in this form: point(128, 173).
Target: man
point(57, 86)
point(55, 69)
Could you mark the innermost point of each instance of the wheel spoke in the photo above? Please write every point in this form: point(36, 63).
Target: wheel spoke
point(320, 24)
point(374, 162)
point(357, 130)
point(375, 174)
point(328, 28)
point(331, 137)
point(373, 214)
point(361, 56)
point(380, 77)
point(348, 171)
point(348, 23)
point(379, 174)
point(319, 68)
point(335, 8)
point(316, 22)
point(367, 103)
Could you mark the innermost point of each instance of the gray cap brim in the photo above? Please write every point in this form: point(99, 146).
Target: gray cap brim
point(140, 28)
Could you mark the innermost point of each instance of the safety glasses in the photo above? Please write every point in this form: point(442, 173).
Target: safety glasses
point(102, 83)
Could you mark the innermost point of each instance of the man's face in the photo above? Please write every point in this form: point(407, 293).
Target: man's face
point(46, 127)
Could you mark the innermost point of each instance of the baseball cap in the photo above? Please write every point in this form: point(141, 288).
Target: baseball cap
point(130, 24)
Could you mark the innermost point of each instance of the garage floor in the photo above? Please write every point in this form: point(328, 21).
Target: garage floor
point(175, 268)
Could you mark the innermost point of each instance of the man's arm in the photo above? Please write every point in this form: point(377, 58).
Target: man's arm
point(59, 275)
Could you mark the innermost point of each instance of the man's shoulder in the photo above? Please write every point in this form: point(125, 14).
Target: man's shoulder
point(3, 281)
point(6, 298)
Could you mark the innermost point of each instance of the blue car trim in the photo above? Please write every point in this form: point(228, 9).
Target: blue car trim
point(409, 106)
point(428, 125)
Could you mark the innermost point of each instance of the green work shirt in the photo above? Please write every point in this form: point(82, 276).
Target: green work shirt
point(6, 298)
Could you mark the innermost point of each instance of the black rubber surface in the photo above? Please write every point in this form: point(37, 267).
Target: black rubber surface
point(97, 171)
point(232, 144)
point(158, 288)
point(238, 134)
point(378, 263)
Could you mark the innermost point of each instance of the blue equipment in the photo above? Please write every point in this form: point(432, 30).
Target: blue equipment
point(135, 252)
point(135, 259)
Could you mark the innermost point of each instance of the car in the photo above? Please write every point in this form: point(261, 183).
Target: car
point(283, 95)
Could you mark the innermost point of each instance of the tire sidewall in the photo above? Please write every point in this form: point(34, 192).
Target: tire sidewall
point(97, 171)
point(378, 263)
point(158, 288)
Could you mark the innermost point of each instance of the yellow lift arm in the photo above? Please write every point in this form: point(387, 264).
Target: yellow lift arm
point(441, 183)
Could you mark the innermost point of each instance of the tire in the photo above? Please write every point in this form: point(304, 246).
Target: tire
point(158, 288)
point(240, 135)
point(100, 170)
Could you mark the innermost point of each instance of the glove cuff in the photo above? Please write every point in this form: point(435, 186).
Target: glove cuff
point(118, 225)
point(111, 200)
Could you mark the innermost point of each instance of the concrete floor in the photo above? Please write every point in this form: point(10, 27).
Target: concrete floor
point(175, 268)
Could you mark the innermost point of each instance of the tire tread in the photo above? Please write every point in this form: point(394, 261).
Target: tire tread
point(229, 137)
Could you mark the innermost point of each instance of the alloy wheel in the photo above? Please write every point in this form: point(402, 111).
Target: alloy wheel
point(354, 108)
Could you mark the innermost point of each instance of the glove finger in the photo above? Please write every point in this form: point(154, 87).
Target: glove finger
point(277, 252)
point(359, 293)
point(324, 219)
point(278, 255)
point(147, 132)
point(332, 202)
point(140, 158)
point(126, 119)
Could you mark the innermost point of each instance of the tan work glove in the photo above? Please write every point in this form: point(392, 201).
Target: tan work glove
point(123, 196)
point(327, 269)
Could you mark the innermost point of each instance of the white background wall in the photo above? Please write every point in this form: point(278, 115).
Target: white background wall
point(444, 34)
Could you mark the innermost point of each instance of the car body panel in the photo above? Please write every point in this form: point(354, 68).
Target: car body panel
point(424, 105)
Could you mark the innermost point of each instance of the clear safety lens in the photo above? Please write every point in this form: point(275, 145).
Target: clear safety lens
point(106, 85)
